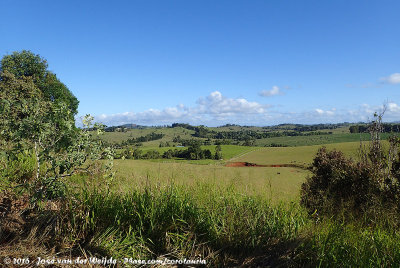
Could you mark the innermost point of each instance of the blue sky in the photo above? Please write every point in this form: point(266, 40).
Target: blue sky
point(216, 62)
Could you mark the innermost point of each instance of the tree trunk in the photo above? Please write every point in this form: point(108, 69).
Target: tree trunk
point(37, 160)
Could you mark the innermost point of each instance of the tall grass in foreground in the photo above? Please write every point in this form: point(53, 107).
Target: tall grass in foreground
point(222, 226)
point(332, 244)
point(169, 222)
point(225, 228)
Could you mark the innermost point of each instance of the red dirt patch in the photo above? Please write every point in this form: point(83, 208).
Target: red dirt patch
point(240, 164)
point(247, 164)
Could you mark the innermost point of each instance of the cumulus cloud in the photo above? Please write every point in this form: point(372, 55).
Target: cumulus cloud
point(322, 112)
point(393, 107)
point(212, 109)
point(361, 113)
point(392, 79)
point(151, 116)
point(216, 104)
point(272, 92)
point(217, 109)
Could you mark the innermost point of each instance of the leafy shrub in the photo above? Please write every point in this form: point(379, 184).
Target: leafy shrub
point(366, 188)
point(50, 188)
point(338, 183)
point(18, 168)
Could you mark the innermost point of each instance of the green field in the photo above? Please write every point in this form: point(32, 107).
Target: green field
point(277, 183)
point(170, 133)
point(301, 155)
point(337, 137)
point(281, 183)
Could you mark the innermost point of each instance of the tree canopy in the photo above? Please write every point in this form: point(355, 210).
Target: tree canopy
point(27, 64)
point(37, 122)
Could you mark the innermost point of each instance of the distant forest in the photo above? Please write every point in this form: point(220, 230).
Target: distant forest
point(386, 128)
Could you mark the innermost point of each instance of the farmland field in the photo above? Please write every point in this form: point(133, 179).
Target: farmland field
point(336, 137)
point(301, 155)
point(134, 133)
point(278, 183)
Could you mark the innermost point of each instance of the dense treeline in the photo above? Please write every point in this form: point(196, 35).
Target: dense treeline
point(204, 132)
point(193, 152)
point(275, 145)
point(149, 137)
point(386, 128)
point(295, 127)
point(302, 128)
point(183, 125)
point(251, 134)
point(188, 142)
point(243, 135)
point(123, 128)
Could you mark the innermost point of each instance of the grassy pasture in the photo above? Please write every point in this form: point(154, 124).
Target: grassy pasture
point(234, 208)
point(169, 133)
point(337, 137)
point(276, 183)
point(301, 155)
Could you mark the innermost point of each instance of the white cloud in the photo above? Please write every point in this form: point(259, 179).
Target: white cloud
point(212, 110)
point(392, 79)
point(216, 109)
point(322, 112)
point(393, 107)
point(216, 104)
point(272, 92)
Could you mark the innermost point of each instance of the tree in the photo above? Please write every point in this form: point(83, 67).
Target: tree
point(354, 129)
point(27, 64)
point(20, 102)
point(137, 154)
point(168, 154)
point(207, 154)
point(31, 121)
point(218, 153)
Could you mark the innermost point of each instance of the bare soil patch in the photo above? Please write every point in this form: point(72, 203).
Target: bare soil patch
point(248, 164)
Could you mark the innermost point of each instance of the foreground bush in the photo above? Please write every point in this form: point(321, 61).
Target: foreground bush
point(368, 188)
point(343, 187)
